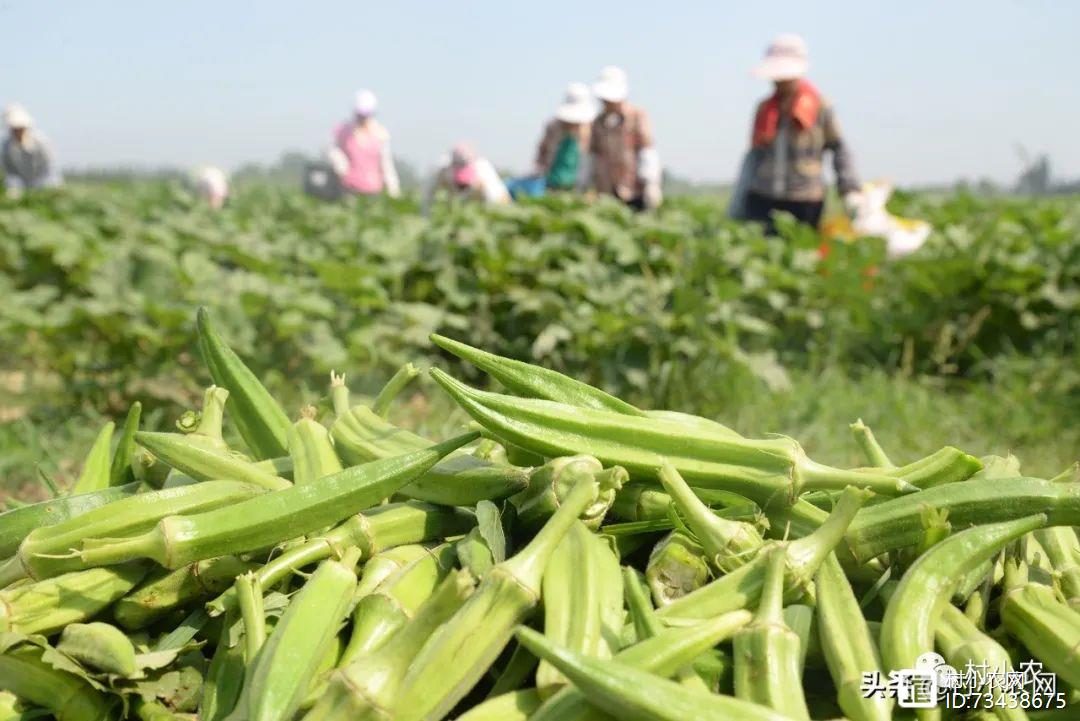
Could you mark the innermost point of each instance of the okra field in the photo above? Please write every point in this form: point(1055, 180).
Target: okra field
point(294, 461)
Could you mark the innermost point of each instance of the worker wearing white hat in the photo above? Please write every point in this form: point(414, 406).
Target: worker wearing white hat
point(25, 155)
point(560, 157)
point(361, 154)
point(624, 161)
point(792, 130)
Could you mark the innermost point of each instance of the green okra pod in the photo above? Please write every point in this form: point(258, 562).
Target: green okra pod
point(666, 654)
point(677, 566)
point(728, 544)
point(511, 706)
point(648, 502)
point(190, 456)
point(582, 594)
point(469, 643)
point(95, 467)
point(286, 664)
point(768, 653)
point(53, 550)
point(623, 691)
point(1046, 626)
point(372, 531)
point(907, 629)
point(261, 421)
point(169, 590)
point(99, 646)
point(897, 522)
point(535, 381)
point(742, 587)
point(964, 646)
point(120, 469)
point(277, 516)
point(382, 612)
point(68, 697)
point(1062, 549)
point(249, 597)
point(762, 470)
point(224, 677)
point(47, 606)
point(693, 421)
point(15, 525)
point(847, 644)
point(368, 687)
point(385, 564)
point(311, 449)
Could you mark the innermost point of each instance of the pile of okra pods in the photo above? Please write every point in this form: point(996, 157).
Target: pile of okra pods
point(569, 556)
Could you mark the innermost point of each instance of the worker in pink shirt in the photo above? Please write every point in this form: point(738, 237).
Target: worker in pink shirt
point(361, 155)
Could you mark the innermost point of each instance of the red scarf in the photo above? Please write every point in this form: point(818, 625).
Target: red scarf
point(804, 110)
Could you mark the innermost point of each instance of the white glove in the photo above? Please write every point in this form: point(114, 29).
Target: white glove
point(653, 196)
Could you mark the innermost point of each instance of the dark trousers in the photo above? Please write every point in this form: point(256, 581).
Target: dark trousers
point(760, 208)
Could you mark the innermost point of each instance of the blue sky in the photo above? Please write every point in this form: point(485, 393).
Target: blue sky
point(927, 91)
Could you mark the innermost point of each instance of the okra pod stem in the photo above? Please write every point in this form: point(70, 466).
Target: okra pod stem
point(874, 453)
point(677, 566)
point(728, 544)
point(405, 375)
point(647, 502)
point(551, 482)
point(249, 596)
point(277, 516)
point(95, 468)
point(261, 421)
point(379, 528)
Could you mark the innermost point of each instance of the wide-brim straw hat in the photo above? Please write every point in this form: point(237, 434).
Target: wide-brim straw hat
point(16, 116)
point(577, 106)
point(786, 58)
point(612, 86)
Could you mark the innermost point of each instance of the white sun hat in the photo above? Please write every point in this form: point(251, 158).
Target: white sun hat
point(577, 105)
point(16, 116)
point(613, 85)
point(785, 59)
point(365, 103)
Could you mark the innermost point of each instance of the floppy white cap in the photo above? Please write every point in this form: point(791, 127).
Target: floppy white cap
point(612, 86)
point(16, 116)
point(366, 102)
point(785, 59)
point(577, 105)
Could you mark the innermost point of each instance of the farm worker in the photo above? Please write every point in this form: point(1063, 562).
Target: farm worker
point(466, 176)
point(361, 154)
point(212, 185)
point(792, 130)
point(624, 162)
point(560, 158)
point(27, 160)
